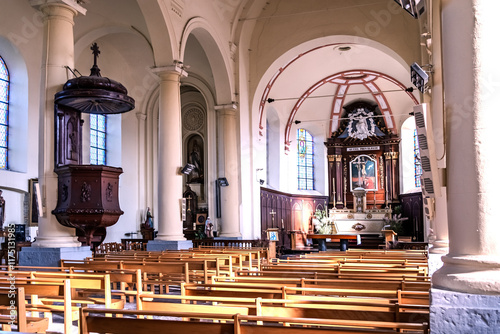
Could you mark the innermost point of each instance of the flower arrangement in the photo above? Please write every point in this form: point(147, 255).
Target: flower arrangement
point(322, 224)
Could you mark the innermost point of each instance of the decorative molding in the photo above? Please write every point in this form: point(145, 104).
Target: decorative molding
point(86, 192)
point(109, 192)
point(358, 227)
point(391, 155)
point(193, 119)
point(233, 48)
point(177, 6)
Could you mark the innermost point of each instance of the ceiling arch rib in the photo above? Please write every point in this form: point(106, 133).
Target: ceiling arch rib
point(265, 94)
point(345, 80)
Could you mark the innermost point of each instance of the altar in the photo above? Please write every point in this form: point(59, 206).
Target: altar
point(367, 222)
point(344, 240)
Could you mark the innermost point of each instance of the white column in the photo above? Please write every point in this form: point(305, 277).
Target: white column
point(439, 223)
point(58, 52)
point(230, 195)
point(440, 226)
point(142, 168)
point(169, 154)
point(470, 38)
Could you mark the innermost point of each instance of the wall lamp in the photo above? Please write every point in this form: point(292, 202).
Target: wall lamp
point(222, 182)
point(187, 169)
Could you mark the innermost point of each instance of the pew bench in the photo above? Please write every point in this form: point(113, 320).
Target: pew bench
point(131, 321)
point(14, 312)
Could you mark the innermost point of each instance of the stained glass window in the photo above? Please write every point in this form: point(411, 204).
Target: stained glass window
point(305, 160)
point(416, 155)
point(4, 114)
point(97, 139)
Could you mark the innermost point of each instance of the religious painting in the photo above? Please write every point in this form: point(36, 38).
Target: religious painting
point(363, 173)
point(34, 196)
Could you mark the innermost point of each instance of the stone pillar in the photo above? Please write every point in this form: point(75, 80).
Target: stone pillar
point(58, 53)
point(440, 226)
point(170, 187)
point(466, 289)
point(230, 195)
point(438, 223)
point(473, 262)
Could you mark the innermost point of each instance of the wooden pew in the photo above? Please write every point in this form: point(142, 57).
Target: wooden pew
point(240, 324)
point(326, 283)
point(40, 292)
point(328, 274)
point(379, 309)
point(14, 312)
point(89, 283)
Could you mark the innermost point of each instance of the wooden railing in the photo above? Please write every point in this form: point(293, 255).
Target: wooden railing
point(230, 243)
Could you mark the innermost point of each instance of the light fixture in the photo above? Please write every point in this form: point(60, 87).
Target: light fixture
point(222, 182)
point(418, 77)
point(187, 169)
point(344, 48)
point(414, 7)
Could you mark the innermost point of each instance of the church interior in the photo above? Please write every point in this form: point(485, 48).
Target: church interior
point(209, 143)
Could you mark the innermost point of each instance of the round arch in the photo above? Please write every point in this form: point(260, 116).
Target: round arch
point(219, 61)
point(156, 15)
point(281, 64)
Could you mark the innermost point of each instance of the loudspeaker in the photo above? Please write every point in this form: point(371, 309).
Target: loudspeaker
point(20, 232)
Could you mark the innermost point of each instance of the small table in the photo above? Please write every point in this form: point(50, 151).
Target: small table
point(344, 240)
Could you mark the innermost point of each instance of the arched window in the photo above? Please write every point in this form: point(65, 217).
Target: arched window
point(416, 158)
point(305, 160)
point(4, 114)
point(97, 139)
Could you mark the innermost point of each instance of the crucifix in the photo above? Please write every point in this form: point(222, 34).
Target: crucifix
point(361, 170)
point(188, 200)
point(95, 69)
point(272, 213)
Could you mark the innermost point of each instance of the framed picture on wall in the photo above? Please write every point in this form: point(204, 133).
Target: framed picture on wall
point(34, 202)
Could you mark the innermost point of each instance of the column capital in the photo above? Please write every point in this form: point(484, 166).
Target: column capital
point(176, 69)
point(72, 4)
point(227, 109)
point(141, 116)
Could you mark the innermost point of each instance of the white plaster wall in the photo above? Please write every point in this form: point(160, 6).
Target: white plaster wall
point(20, 47)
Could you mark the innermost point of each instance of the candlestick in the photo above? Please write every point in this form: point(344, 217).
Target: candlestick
point(386, 192)
point(334, 196)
